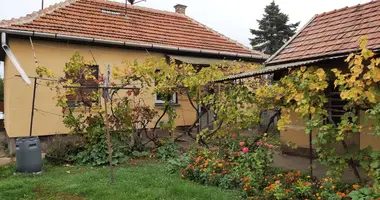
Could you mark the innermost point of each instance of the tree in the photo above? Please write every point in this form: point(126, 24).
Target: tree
point(273, 31)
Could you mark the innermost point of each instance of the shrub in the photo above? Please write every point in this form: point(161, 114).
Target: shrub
point(64, 148)
point(238, 163)
point(168, 150)
point(364, 193)
point(245, 164)
point(96, 149)
point(140, 154)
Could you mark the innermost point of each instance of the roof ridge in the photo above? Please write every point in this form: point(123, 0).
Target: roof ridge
point(36, 14)
point(225, 37)
point(39, 21)
point(344, 8)
point(139, 7)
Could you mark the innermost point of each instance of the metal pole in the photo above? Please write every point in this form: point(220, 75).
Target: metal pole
point(33, 102)
point(42, 7)
point(311, 151)
point(106, 96)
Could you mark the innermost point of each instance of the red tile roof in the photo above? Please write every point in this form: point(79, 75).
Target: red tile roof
point(102, 19)
point(333, 33)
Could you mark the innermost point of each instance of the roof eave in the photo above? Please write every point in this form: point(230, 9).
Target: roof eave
point(321, 57)
point(132, 44)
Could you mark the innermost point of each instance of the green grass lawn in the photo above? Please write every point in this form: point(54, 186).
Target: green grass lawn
point(147, 180)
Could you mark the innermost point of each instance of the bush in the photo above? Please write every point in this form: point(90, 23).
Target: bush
point(229, 167)
point(168, 150)
point(244, 164)
point(96, 150)
point(64, 148)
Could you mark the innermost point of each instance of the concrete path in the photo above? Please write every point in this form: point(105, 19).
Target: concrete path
point(302, 164)
point(5, 161)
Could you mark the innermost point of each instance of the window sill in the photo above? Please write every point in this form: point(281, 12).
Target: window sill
point(163, 104)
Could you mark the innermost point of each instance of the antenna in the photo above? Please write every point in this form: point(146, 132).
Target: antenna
point(132, 2)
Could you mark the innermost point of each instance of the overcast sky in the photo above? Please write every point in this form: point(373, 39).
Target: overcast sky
point(233, 18)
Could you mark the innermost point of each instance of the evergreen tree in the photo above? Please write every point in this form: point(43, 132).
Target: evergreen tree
point(273, 31)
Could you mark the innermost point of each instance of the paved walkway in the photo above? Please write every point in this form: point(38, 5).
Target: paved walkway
point(297, 163)
point(5, 161)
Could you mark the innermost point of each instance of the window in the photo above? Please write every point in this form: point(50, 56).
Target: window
point(335, 105)
point(84, 95)
point(160, 98)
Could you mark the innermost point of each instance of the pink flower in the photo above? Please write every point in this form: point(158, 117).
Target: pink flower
point(259, 143)
point(236, 153)
point(277, 182)
point(234, 135)
point(241, 144)
point(270, 146)
point(245, 150)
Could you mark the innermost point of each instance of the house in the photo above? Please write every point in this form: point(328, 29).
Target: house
point(105, 32)
point(325, 41)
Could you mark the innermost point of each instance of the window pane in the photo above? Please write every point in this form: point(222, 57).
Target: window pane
point(84, 95)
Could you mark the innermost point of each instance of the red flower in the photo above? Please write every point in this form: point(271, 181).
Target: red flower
point(245, 149)
point(234, 135)
point(236, 153)
point(270, 146)
point(241, 143)
point(259, 143)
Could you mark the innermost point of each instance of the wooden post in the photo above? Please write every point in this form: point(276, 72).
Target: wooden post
point(106, 96)
point(33, 102)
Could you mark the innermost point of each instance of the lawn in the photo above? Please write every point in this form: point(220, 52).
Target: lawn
point(143, 181)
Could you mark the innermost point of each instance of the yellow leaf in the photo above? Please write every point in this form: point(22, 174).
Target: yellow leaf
point(370, 96)
point(320, 74)
point(367, 76)
point(298, 97)
point(312, 110)
point(366, 53)
point(363, 41)
point(376, 74)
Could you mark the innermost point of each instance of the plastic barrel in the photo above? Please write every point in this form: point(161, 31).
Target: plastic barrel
point(28, 155)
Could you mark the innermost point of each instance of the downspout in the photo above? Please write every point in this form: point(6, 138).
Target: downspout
point(13, 59)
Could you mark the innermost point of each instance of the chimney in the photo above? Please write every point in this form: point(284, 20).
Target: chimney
point(181, 9)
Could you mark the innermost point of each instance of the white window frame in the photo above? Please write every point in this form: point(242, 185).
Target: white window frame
point(160, 101)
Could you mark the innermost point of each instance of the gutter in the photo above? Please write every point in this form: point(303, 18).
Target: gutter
point(130, 44)
point(13, 58)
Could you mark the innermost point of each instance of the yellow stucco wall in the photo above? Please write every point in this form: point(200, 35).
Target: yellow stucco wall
point(295, 133)
point(54, 55)
point(367, 138)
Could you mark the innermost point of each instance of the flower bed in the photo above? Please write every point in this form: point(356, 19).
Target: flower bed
point(245, 165)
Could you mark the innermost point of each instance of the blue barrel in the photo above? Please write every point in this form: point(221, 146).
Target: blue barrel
point(28, 155)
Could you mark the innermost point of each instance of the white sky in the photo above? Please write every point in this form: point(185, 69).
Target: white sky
point(233, 18)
